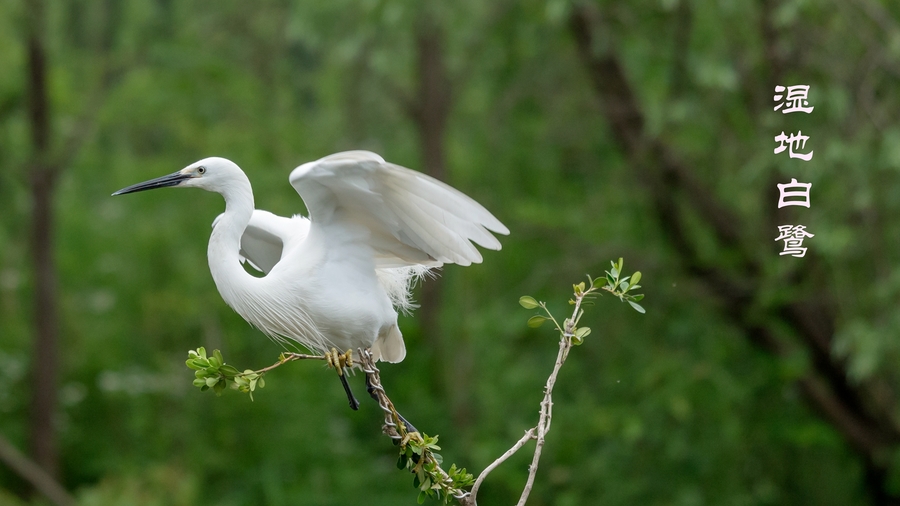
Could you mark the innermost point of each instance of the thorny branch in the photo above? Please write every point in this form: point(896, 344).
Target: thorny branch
point(539, 432)
point(417, 450)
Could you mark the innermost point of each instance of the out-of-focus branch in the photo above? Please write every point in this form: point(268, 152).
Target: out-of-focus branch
point(34, 475)
point(865, 424)
point(47, 162)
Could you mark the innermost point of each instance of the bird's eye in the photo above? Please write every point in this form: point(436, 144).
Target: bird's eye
point(202, 170)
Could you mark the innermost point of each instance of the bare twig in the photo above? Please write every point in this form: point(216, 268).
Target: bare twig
point(529, 435)
point(539, 432)
point(546, 417)
point(34, 474)
point(288, 357)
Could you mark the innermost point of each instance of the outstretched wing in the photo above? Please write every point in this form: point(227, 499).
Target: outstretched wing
point(268, 236)
point(411, 218)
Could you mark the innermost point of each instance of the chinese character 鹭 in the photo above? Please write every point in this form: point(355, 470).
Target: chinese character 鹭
point(795, 99)
point(795, 141)
point(802, 192)
point(793, 236)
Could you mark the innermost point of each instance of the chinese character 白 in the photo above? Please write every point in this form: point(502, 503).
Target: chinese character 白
point(802, 191)
point(793, 236)
point(795, 141)
point(795, 99)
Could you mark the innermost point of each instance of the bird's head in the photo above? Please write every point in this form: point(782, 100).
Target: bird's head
point(212, 174)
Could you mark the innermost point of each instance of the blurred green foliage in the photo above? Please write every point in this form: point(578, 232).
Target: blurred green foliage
point(673, 407)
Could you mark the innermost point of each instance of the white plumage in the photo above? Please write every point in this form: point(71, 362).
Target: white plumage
point(337, 278)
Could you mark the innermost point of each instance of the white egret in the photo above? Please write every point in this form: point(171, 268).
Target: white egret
point(336, 279)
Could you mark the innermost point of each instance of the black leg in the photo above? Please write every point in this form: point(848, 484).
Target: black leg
point(354, 404)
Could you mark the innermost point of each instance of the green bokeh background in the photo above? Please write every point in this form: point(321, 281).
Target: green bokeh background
point(675, 407)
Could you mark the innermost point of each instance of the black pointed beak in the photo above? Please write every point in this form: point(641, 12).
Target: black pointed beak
point(160, 182)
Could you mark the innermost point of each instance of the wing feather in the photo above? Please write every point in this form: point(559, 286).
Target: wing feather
point(268, 236)
point(410, 218)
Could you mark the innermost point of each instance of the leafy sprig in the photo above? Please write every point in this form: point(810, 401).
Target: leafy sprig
point(211, 372)
point(615, 284)
point(620, 287)
point(418, 455)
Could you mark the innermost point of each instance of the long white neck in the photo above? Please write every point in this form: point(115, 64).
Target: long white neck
point(225, 242)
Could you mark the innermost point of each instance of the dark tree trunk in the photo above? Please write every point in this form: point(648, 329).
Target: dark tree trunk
point(42, 177)
point(430, 110)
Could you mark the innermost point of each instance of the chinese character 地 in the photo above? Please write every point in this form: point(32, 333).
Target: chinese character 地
point(793, 236)
point(795, 141)
point(802, 194)
point(795, 99)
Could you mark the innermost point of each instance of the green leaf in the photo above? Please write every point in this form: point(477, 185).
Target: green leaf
point(536, 321)
point(401, 462)
point(623, 286)
point(228, 370)
point(528, 302)
point(582, 332)
point(211, 381)
point(637, 307)
point(636, 277)
point(637, 297)
point(421, 498)
point(614, 272)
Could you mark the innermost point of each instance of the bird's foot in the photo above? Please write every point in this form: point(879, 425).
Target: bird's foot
point(339, 361)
